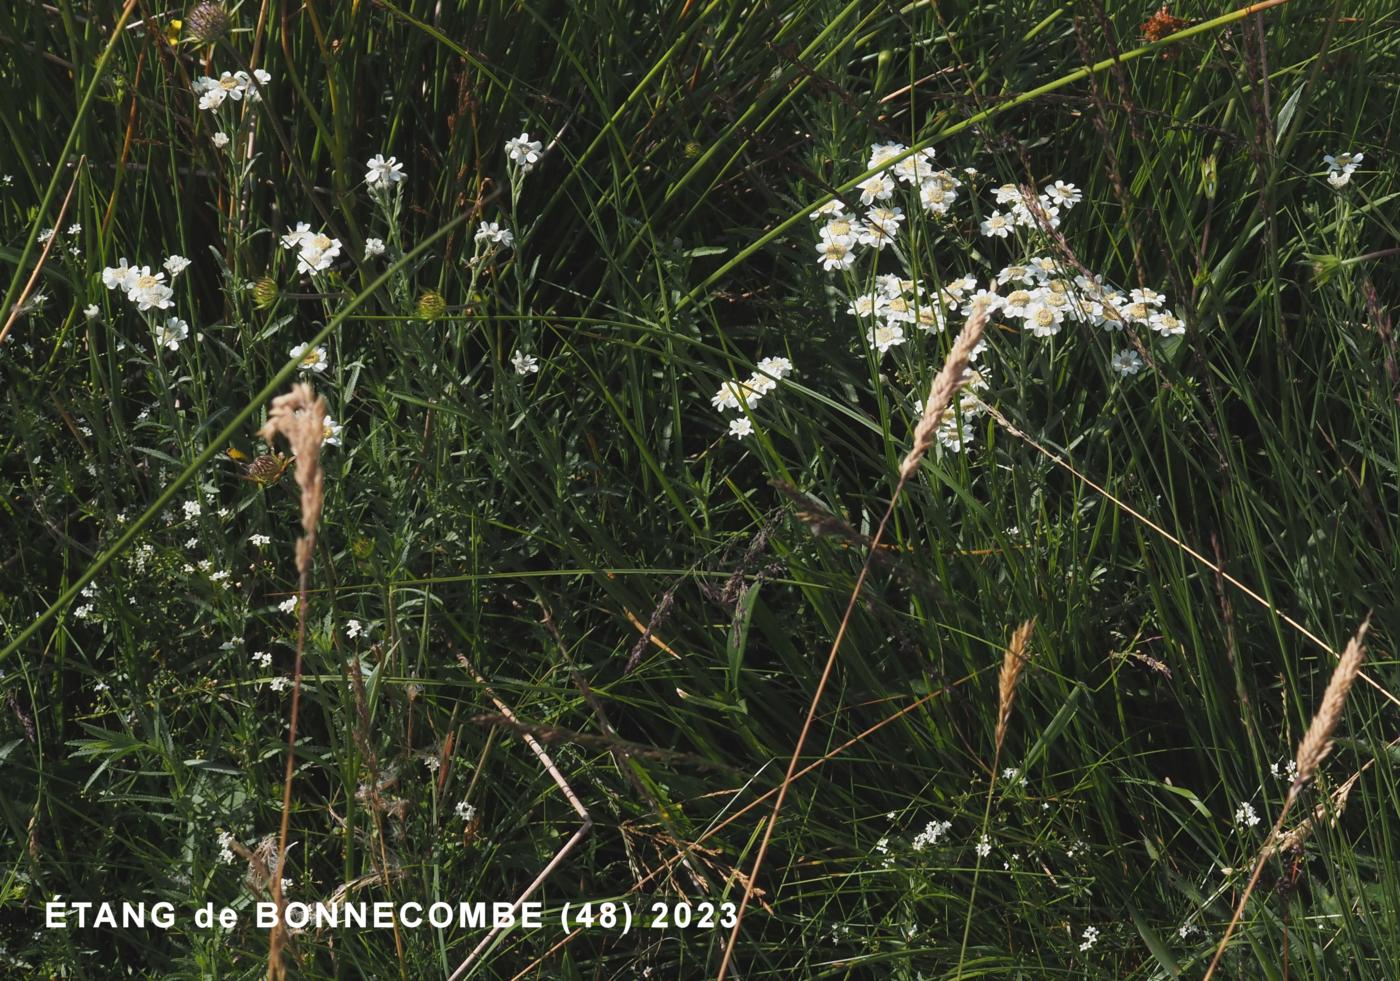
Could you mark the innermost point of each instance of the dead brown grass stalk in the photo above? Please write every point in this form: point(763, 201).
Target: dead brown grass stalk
point(1312, 750)
point(299, 418)
point(951, 377)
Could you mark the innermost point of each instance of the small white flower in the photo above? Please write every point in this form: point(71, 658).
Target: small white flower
point(317, 253)
point(381, 172)
point(353, 628)
point(330, 431)
point(524, 152)
point(832, 209)
point(1166, 323)
point(492, 232)
point(260, 540)
point(312, 359)
point(835, 254)
point(74, 229)
point(984, 846)
point(732, 395)
point(741, 427)
point(885, 336)
point(45, 235)
point(465, 811)
point(931, 833)
point(287, 605)
point(191, 509)
point(1341, 167)
point(877, 188)
point(280, 683)
point(92, 312)
point(996, 224)
point(840, 230)
point(221, 140)
point(174, 331)
point(1091, 937)
point(148, 291)
point(262, 659)
point(175, 265)
point(225, 847)
point(1064, 195)
point(775, 367)
point(295, 236)
point(1127, 362)
point(373, 247)
point(524, 363)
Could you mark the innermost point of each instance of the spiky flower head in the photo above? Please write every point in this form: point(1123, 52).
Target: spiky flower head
point(431, 305)
point(206, 22)
point(265, 292)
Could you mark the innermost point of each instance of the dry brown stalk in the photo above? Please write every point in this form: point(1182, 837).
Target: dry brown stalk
point(299, 418)
point(1316, 744)
point(1013, 662)
point(952, 376)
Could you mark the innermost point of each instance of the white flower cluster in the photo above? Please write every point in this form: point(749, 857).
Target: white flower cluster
point(1036, 294)
point(931, 833)
point(380, 172)
point(1091, 937)
point(1245, 816)
point(147, 290)
point(237, 86)
point(744, 395)
point(315, 250)
point(1341, 166)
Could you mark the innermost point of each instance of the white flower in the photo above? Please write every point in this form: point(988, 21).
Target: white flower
point(984, 846)
point(330, 431)
point(43, 237)
point(841, 230)
point(996, 224)
point(317, 253)
point(191, 509)
point(775, 367)
point(1126, 362)
point(1245, 816)
point(985, 300)
point(312, 359)
point(119, 277)
point(174, 331)
point(1091, 937)
point(835, 254)
point(287, 605)
point(524, 152)
point(225, 849)
point(832, 209)
point(381, 172)
point(1166, 323)
point(1064, 195)
point(175, 265)
point(883, 153)
point(260, 540)
point(885, 336)
point(92, 312)
point(353, 628)
point(916, 168)
point(936, 196)
point(262, 659)
point(1341, 167)
point(877, 188)
point(741, 427)
point(373, 247)
point(465, 811)
point(149, 291)
point(524, 363)
point(280, 683)
point(74, 229)
point(885, 219)
point(491, 231)
point(221, 140)
point(295, 236)
point(1043, 320)
point(733, 394)
point(1144, 295)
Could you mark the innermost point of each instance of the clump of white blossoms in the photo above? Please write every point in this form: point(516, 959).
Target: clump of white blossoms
point(744, 395)
point(1035, 294)
point(1091, 937)
point(1245, 816)
point(524, 152)
point(235, 86)
point(524, 363)
point(933, 831)
point(465, 811)
point(315, 250)
point(147, 290)
point(1341, 166)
